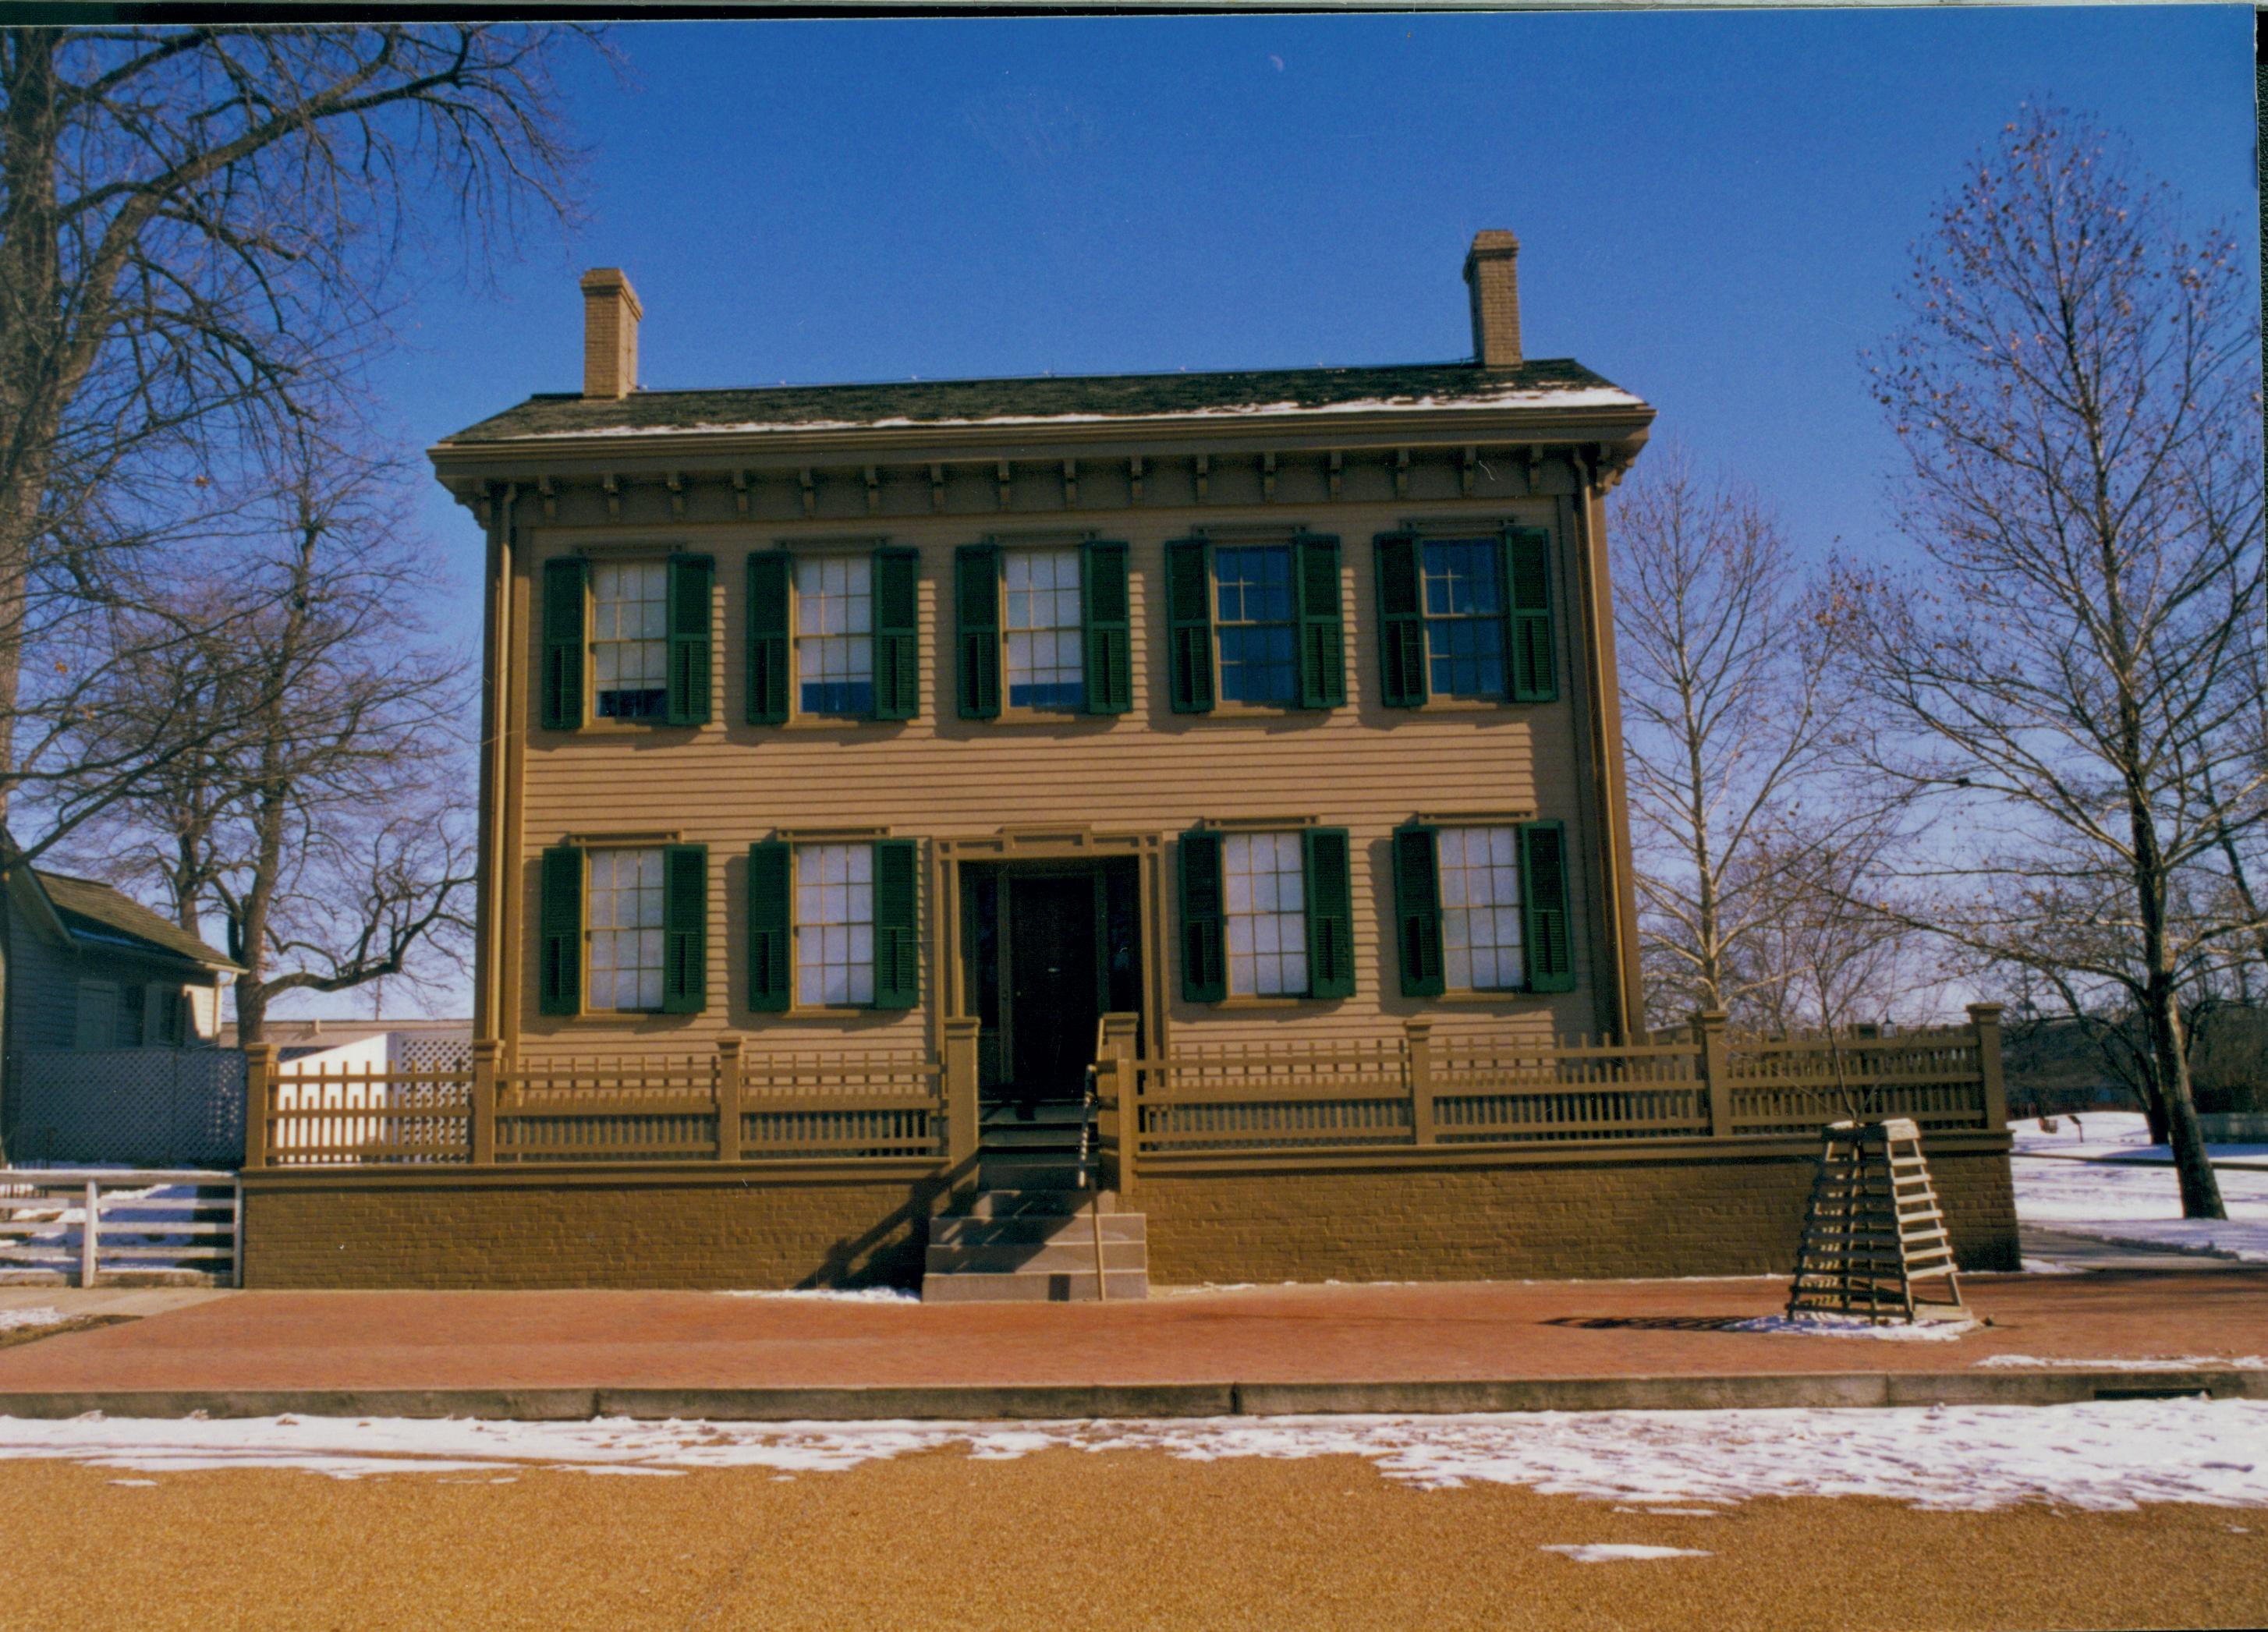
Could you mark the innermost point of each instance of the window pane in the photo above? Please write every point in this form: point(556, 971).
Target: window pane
point(835, 634)
point(1465, 610)
point(1480, 925)
point(630, 655)
point(1267, 913)
point(622, 911)
point(1252, 613)
point(1046, 669)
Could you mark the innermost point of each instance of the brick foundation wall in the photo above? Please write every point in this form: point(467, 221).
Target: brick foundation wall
point(1557, 1220)
point(631, 1230)
point(1704, 1211)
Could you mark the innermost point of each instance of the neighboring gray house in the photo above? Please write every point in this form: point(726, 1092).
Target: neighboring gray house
point(102, 1005)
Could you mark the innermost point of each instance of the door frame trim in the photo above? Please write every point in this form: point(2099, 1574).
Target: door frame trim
point(1064, 844)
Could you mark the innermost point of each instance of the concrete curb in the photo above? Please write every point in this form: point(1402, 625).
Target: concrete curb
point(1062, 1401)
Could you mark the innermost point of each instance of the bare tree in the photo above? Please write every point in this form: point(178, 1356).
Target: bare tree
point(198, 227)
point(323, 811)
point(1730, 728)
point(2076, 390)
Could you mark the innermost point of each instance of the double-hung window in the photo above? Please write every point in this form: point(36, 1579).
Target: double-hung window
point(634, 631)
point(1266, 915)
point(623, 930)
point(1049, 628)
point(835, 634)
point(1257, 624)
point(834, 924)
point(630, 639)
point(1468, 619)
point(1483, 909)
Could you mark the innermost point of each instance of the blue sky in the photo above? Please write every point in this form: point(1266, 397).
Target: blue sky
point(1715, 208)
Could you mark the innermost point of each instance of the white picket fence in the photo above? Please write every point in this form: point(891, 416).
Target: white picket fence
point(75, 1225)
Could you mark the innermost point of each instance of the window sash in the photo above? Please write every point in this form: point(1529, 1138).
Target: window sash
point(1255, 624)
point(623, 931)
point(835, 635)
point(1042, 628)
point(1463, 598)
point(1482, 931)
point(1263, 876)
point(834, 925)
point(630, 639)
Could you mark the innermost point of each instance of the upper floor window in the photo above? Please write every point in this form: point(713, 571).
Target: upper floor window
point(1257, 624)
point(1464, 618)
point(630, 639)
point(835, 634)
point(1252, 588)
point(625, 930)
point(1046, 667)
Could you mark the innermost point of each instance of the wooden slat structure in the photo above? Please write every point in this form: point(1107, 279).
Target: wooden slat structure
point(1874, 1240)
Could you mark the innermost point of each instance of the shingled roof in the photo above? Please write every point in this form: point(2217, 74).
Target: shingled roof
point(99, 913)
point(1551, 383)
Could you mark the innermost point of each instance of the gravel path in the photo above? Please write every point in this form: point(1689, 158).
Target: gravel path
point(1126, 1540)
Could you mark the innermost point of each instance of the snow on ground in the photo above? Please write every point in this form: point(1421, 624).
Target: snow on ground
point(1606, 1552)
point(2108, 1455)
point(1825, 1325)
point(857, 1295)
point(2144, 1363)
point(2138, 1205)
point(14, 1319)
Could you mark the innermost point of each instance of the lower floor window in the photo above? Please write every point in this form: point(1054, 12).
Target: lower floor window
point(625, 930)
point(834, 924)
point(1481, 935)
point(1267, 913)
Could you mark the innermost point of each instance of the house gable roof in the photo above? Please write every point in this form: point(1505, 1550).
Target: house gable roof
point(1542, 384)
point(98, 915)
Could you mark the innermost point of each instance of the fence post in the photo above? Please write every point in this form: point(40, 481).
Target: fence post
point(1420, 1035)
point(960, 1065)
point(90, 1234)
point(728, 1099)
point(259, 1087)
point(1716, 1072)
point(485, 1053)
point(1119, 1032)
point(1985, 1017)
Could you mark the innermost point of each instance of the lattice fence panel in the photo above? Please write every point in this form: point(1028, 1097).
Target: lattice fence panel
point(137, 1108)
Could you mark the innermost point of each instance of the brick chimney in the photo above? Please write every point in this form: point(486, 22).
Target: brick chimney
point(610, 325)
point(1492, 274)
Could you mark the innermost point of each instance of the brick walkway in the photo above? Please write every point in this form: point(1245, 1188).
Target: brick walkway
point(1304, 1333)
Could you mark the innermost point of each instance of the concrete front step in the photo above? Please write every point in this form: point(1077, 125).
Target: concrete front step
point(1014, 1137)
point(1011, 1202)
point(1031, 1229)
point(1042, 1172)
point(1045, 1286)
point(1026, 1257)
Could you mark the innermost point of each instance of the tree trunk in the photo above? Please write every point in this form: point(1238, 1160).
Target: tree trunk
point(2192, 1166)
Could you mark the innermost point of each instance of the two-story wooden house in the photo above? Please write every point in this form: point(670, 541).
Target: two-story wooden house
point(851, 751)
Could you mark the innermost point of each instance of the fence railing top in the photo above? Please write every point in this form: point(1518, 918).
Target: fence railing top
point(117, 1176)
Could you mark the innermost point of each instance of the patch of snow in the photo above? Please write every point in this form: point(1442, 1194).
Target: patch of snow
point(1830, 1325)
point(2105, 1455)
point(2243, 1239)
point(2043, 1266)
point(858, 1295)
point(1606, 1552)
point(1572, 397)
point(18, 1320)
point(2176, 1363)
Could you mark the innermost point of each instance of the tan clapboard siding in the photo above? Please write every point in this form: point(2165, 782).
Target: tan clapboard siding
point(1363, 767)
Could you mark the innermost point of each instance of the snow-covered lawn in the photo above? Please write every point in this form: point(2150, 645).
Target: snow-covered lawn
point(2107, 1456)
point(2123, 1201)
point(16, 1319)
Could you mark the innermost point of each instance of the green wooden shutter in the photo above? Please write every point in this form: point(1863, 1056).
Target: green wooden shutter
point(1330, 912)
point(1322, 637)
point(1550, 953)
point(1531, 665)
point(897, 923)
point(1188, 621)
point(691, 580)
point(1205, 940)
point(684, 928)
point(1417, 910)
point(897, 635)
point(771, 918)
point(976, 602)
point(1400, 623)
point(1106, 626)
point(770, 656)
point(559, 981)
point(566, 596)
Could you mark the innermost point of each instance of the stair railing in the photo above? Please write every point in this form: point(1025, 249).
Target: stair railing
point(1089, 1107)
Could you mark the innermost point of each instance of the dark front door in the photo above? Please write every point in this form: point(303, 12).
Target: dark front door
point(1052, 983)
